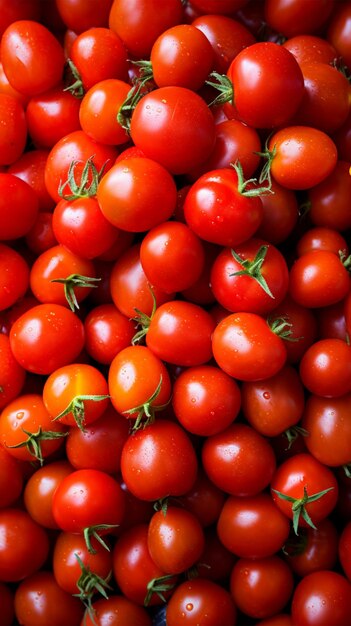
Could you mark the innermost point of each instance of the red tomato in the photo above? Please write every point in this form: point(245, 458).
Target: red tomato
point(99, 108)
point(239, 460)
point(310, 49)
point(30, 168)
point(14, 276)
point(12, 375)
point(7, 604)
point(46, 337)
point(159, 461)
point(39, 491)
point(197, 600)
point(280, 214)
point(163, 127)
point(325, 368)
point(315, 550)
point(107, 332)
point(52, 115)
point(324, 596)
point(32, 57)
point(293, 18)
point(329, 199)
point(18, 207)
point(82, 14)
point(338, 31)
point(318, 279)
point(322, 238)
point(13, 130)
point(204, 499)
point(344, 549)
point(116, 610)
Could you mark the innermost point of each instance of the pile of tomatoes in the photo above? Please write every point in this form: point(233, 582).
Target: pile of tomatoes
point(175, 313)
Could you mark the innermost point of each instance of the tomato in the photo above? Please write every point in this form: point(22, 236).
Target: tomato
point(163, 127)
point(318, 279)
point(130, 290)
point(13, 131)
point(200, 601)
point(302, 156)
point(14, 276)
point(329, 199)
point(18, 208)
point(204, 500)
point(322, 238)
point(18, 10)
point(75, 146)
point(51, 115)
point(88, 499)
point(116, 610)
point(172, 256)
point(239, 460)
point(137, 194)
point(11, 479)
point(323, 596)
point(30, 168)
point(280, 619)
point(24, 545)
point(175, 539)
point(57, 275)
point(275, 404)
point(12, 375)
point(293, 18)
point(338, 32)
point(261, 587)
point(226, 35)
point(314, 550)
point(76, 394)
point(32, 57)
point(219, 208)
point(252, 527)
point(107, 332)
point(7, 89)
point(99, 445)
point(81, 15)
point(46, 337)
point(280, 214)
point(247, 348)
point(218, 6)
point(310, 49)
point(41, 236)
point(159, 461)
point(325, 368)
point(39, 600)
point(205, 400)
point(332, 322)
point(253, 278)
point(181, 56)
point(303, 327)
point(296, 482)
point(40, 488)
point(99, 108)
point(180, 333)
point(216, 561)
point(135, 573)
point(98, 54)
point(139, 23)
point(326, 421)
point(27, 430)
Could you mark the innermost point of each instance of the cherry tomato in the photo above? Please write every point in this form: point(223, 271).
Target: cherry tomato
point(99, 108)
point(204, 499)
point(323, 596)
point(197, 600)
point(314, 550)
point(293, 18)
point(310, 48)
point(318, 278)
point(117, 610)
point(30, 168)
point(107, 332)
point(325, 368)
point(13, 130)
point(12, 375)
point(40, 488)
point(329, 204)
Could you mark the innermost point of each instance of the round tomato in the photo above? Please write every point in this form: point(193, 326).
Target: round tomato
point(325, 368)
point(117, 610)
point(13, 130)
point(52, 115)
point(40, 488)
point(107, 332)
point(18, 207)
point(12, 375)
point(14, 276)
point(318, 279)
point(314, 550)
point(197, 600)
point(324, 596)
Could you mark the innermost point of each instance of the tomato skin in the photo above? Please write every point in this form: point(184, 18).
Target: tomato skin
point(79, 16)
point(318, 279)
point(39, 491)
point(173, 126)
point(322, 238)
point(275, 404)
point(30, 169)
point(304, 156)
point(303, 327)
point(13, 131)
point(12, 375)
point(99, 108)
point(329, 199)
point(159, 461)
point(107, 332)
point(137, 194)
point(326, 420)
point(139, 24)
point(32, 57)
point(217, 212)
point(200, 601)
point(175, 539)
point(225, 455)
point(304, 471)
point(243, 292)
point(18, 208)
point(46, 337)
point(256, 103)
point(205, 400)
point(204, 500)
point(117, 611)
point(325, 368)
point(24, 546)
point(261, 587)
point(39, 600)
point(310, 49)
point(338, 32)
point(280, 214)
point(246, 348)
point(344, 549)
point(86, 498)
point(323, 596)
point(52, 115)
point(11, 479)
point(319, 549)
point(293, 18)
point(180, 333)
point(14, 276)
point(252, 527)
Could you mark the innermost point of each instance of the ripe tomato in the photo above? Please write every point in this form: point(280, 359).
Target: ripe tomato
point(159, 461)
point(316, 549)
point(197, 600)
point(293, 18)
point(117, 610)
point(12, 375)
point(239, 460)
point(280, 214)
point(46, 337)
point(344, 549)
point(32, 57)
point(13, 130)
point(18, 207)
point(252, 527)
point(322, 238)
point(30, 169)
point(24, 545)
point(325, 368)
point(329, 199)
point(14, 276)
point(163, 127)
point(40, 488)
point(205, 399)
point(99, 108)
point(318, 279)
point(310, 49)
point(81, 15)
point(107, 332)
point(52, 115)
point(204, 499)
point(324, 596)
point(39, 600)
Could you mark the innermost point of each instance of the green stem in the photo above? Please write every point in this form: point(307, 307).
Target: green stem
point(33, 442)
point(299, 506)
point(73, 281)
point(253, 268)
point(77, 408)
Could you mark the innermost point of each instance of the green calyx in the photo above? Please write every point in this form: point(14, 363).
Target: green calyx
point(94, 531)
point(76, 88)
point(141, 86)
point(159, 586)
point(282, 328)
point(33, 443)
point(253, 268)
point(77, 408)
point(143, 320)
point(224, 86)
point(71, 282)
point(146, 411)
point(268, 156)
point(89, 181)
point(293, 433)
point(89, 584)
point(253, 192)
point(299, 506)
